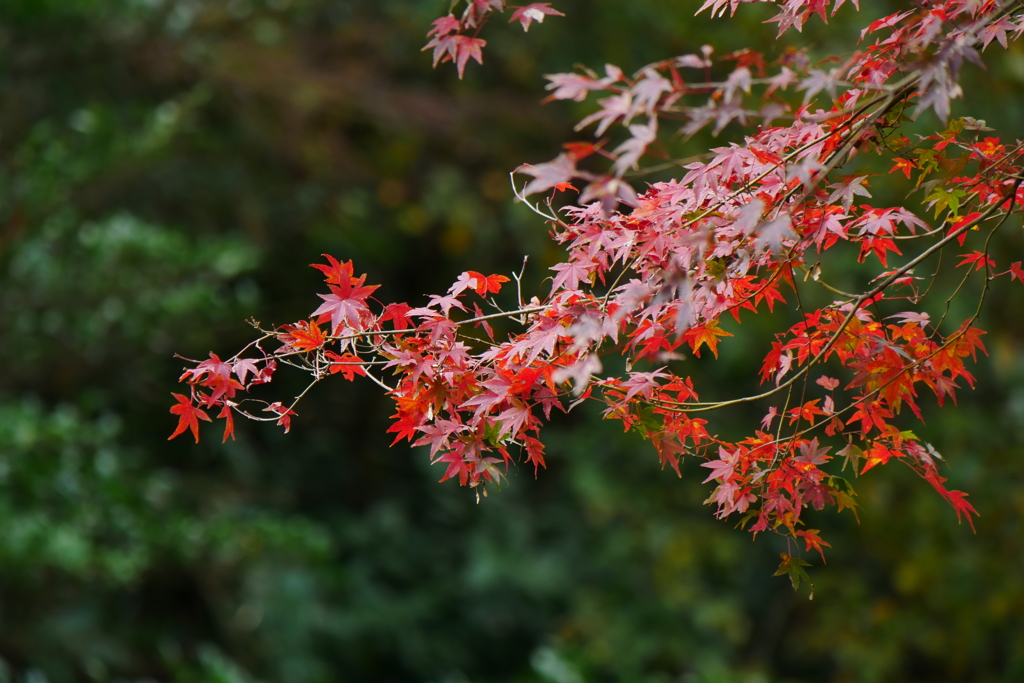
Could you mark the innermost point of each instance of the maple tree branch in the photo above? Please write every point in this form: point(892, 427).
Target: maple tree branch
point(900, 90)
point(700, 407)
point(378, 382)
point(481, 318)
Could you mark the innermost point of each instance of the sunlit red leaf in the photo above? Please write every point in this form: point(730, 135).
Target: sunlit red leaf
point(813, 540)
point(188, 417)
point(229, 422)
point(904, 166)
point(978, 259)
point(285, 413)
point(348, 365)
point(303, 336)
point(708, 334)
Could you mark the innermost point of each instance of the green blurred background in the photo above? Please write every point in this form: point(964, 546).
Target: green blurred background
point(168, 168)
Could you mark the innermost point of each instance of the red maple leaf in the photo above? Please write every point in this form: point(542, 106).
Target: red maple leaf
point(813, 540)
point(534, 453)
point(188, 416)
point(396, 313)
point(411, 413)
point(806, 412)
point(348, 365)
point(870, 415)
point(581, 150)
point(229, 422)
point(955, 498)
point(769, 294)
point(878, 454)
point(978, 258)
point(285, 419)
point(337, 273)
point(969, 218)
point(969, 342)
point(877, 246)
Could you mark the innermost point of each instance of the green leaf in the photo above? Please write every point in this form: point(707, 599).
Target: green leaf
point(793, 567)
point(840, 484)
point(647, 423)
point(852, 455)
point(844, 493)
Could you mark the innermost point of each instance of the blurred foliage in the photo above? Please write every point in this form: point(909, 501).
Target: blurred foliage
point(167, 169)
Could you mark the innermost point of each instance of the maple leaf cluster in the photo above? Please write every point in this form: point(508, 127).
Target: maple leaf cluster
point(651, 273)
point(450, 37)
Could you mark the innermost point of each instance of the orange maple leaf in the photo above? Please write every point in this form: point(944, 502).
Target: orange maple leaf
point(709, 333)
point(303, 336)
point(904, 166)
point(484, 284)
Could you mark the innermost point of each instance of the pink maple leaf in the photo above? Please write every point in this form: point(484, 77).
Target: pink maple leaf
point(466, 47)
point(445, 303)
point(612, 108)
point(443, 26)
point(722, 468)
point(534, 12)
point(341, 310)
point(766, 421)
point(514, 419)
point(921, 318)
point(570, 274)
point(243, 367)
point(458, 48)
point(547, 175)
